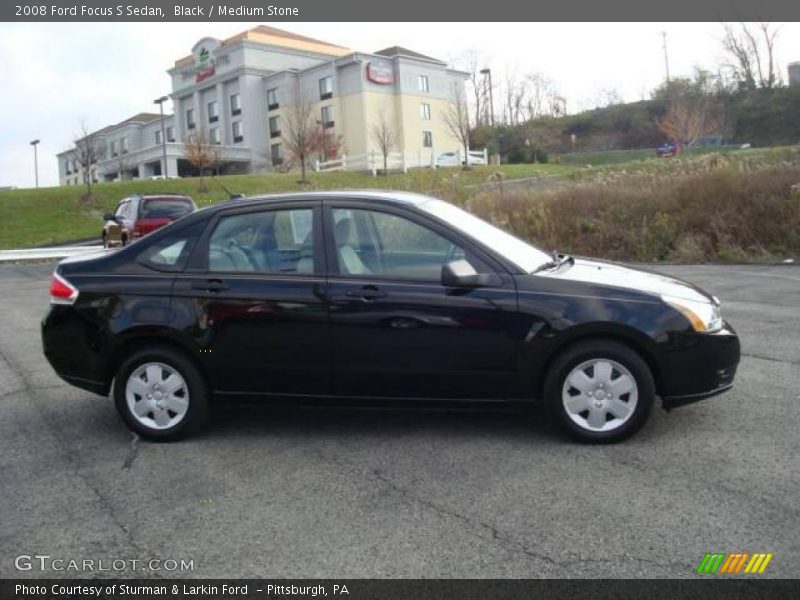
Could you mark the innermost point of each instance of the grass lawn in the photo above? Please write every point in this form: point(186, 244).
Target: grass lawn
point(30, 217)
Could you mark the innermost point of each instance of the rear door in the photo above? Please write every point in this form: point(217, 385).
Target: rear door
point(256, 284)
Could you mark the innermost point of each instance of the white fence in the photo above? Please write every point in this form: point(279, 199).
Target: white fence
point(395, 161)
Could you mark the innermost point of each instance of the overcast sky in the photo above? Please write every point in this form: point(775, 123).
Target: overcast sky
point(54, 76)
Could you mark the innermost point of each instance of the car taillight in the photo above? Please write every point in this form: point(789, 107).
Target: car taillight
point(62, 291)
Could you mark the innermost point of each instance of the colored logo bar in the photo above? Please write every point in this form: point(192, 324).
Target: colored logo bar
point(734, 563)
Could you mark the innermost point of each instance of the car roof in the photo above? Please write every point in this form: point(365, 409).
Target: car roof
point(377, 196)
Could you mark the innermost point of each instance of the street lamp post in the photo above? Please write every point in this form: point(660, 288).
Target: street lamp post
point(160, 102)
point(488, 72)
point(35, 143)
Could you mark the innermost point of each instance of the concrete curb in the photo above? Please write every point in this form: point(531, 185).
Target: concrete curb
point(45, 253)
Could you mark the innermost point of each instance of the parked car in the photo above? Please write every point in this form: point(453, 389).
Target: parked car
point(448, 159)
point(376, 297)
point(477, 157)
point(136, 216)
point(453, 159)
point(668, 149)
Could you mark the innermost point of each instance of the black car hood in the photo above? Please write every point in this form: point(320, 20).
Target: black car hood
point(600, 273)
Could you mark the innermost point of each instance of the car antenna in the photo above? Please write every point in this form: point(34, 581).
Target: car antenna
point(231, 195)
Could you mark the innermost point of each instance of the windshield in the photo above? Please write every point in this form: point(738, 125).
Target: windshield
point(525, 256)
point(166, 208)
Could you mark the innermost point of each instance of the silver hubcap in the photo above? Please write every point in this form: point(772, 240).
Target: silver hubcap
point(157, 395)
point(599, 395)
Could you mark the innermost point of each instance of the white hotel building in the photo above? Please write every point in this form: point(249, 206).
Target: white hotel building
point(235, 91)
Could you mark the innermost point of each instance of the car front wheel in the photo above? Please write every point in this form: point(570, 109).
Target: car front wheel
point(160, 394)
point(600, 391)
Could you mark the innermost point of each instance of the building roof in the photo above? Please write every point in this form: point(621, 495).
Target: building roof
point(272, 36)
point(400, 51)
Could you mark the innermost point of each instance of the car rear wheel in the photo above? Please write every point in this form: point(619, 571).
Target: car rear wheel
point(160, 394)
point(600, 391)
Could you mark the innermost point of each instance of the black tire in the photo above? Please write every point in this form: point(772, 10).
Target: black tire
point(198, 396)
point(589, 350)
point(123, 241)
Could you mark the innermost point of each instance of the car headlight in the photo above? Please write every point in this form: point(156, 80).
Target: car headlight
point(704, 316)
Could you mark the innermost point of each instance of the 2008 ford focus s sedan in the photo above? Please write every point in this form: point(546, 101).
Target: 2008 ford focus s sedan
point(376, 297)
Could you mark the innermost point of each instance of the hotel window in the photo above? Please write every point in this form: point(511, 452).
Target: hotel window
point(274, 127)
point(123, 145)
point(272, 99)
point(158, 137)
point(277, 154)
point(236, 105)
point(236, 127)
point(213, 135)
point(190, 123)
point(114, 150)
point(427, 139)
point(425, 112)
point(423, 83)
point(213, 111)
point(170, 134)
point(327, 117)
point(325, 88)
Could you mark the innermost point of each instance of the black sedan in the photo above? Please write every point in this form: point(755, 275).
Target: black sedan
point(372, 297)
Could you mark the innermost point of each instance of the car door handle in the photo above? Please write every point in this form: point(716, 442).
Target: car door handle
point(210, 285)
point(367, 294)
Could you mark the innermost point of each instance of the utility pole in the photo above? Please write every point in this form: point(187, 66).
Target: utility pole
point(35, 143)
point(160, 102)
point(488, 72)
point(666, 55)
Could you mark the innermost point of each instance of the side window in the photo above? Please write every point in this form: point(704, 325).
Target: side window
point(273, 241)
point(171, 253)
point(377, 243)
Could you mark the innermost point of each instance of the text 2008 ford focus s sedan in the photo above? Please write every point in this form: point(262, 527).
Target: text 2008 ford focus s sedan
point(376, 297)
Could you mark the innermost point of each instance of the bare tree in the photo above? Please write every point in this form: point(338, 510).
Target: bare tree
point(750, 51)
point(691, 116)
point(385, 135)
point(456, 119)
point(539, 96)
point(90, 149)
point(299, 127)
point(473, 62)
point(199, 152)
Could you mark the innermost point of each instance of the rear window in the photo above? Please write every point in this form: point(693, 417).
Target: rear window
point(166, 208)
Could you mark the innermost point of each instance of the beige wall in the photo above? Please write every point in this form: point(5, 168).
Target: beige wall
point(356, 114)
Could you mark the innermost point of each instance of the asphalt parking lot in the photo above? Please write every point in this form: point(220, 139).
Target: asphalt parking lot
point(314, 493)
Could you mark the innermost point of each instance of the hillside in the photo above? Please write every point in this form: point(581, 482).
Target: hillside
point(30, 217)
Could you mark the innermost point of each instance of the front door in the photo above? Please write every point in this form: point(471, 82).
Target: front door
point(259, 290)
point(396, 331)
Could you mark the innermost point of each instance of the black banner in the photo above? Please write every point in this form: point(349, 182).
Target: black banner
point(749, 588)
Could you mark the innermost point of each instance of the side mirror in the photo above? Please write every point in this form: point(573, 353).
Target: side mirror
point(461, 274)
point(109, 217)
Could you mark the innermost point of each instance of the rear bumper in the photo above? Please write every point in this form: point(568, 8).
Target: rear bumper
point(699, 366)
point(75, 349)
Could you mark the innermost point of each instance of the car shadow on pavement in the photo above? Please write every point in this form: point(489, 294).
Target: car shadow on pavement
point(341, 422)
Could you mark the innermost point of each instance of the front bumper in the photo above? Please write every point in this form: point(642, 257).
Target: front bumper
point(699, 366)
